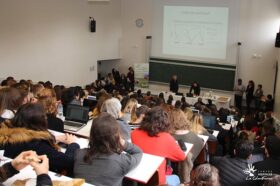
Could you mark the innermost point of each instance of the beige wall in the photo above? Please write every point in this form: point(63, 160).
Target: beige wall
point(50, 40)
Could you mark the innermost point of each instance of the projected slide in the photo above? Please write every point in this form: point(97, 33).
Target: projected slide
point(195, 31)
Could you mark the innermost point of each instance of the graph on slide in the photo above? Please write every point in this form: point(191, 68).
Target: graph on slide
point(195, 34)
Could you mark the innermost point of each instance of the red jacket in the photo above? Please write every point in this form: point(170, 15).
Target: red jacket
point(163, 145)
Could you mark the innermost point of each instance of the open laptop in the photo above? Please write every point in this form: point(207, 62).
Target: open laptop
point(91, 103)
point(76, 117)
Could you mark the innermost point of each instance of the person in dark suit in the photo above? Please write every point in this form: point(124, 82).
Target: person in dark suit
point(195, 88)
point(272, 162)
point(174, 85)
point(249, 95)
point(231, 169)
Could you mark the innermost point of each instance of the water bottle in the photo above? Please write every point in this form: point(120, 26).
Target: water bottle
point(60, 110)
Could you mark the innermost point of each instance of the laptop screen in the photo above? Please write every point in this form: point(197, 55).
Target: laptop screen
point(77, 113)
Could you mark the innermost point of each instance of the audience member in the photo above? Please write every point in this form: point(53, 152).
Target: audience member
point(231, 170)
point(113, 107)
point(249, 95)
point(239, 90)
point(28, 131)
point(205, 175)
point(47, 98)
point(129, 111)
point(103, 163)
point(195, 88)
point(10, 101)
point(153, 138)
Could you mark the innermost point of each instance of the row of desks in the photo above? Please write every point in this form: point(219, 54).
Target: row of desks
point(142, 173)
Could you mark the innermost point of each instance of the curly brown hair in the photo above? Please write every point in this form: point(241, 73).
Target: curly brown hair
point(155, 121)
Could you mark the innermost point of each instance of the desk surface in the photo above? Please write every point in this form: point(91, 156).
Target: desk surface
point(205, 138)
point(225, 126)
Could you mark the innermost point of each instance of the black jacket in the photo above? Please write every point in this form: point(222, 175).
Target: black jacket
point(7, 171)
point(231, 171)
point(174, 85)
point(55, 123)
point(17, 140)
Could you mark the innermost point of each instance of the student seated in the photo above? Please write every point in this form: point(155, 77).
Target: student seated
point(197, 127)
point(47, 99)
point(272, 162)
point(28, 131)
point(129, 110)
point(153, 138)
point(21, 161)
point(11, 100)
point(205, 175)
point(232, 169)
point(248, 126)
point(180, 129)
point(113, 107)
point(103, 163)
point(140, 114)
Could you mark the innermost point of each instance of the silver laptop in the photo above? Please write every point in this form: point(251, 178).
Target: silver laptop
point(76, 117)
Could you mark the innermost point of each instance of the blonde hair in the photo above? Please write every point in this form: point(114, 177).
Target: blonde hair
point(47, 98)
point(197, 124)
point(130, 108)
point(178, 120)
point(189, 113)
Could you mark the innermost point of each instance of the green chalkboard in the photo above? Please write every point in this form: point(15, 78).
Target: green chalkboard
point(213, 76)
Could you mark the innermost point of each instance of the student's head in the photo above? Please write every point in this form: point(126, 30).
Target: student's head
point(251, 83)
point(205, 175)
point(178, 104)
point(130, 69)
point(249, 124)
point(130, 108)
point(35, 90)
point(178, 120)
point(113, 107)
point(161, 95)
point(47, 98)
point(195, 84)
point(189, 113)
point(102, 98)
point(104, 137)
point(197, 124)
point(139, 92)
point(174, 77)
point(259, 86)
point(243, 149)
point(239, 81)
point(272, 144)
point(31, 116)
point(183, 99)
point(269, 97)
point(155, 121)
point(274, 181)
point(141, 111)
point(10, 99)
point(148, 93)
